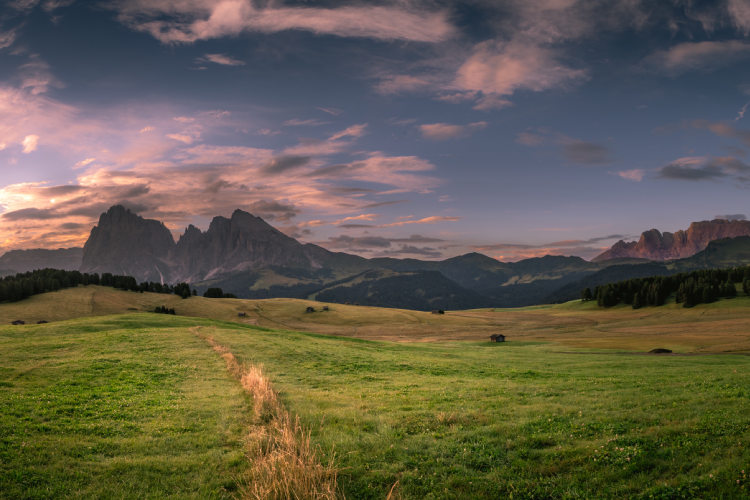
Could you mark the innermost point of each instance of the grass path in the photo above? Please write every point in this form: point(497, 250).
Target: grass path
point(284, 464)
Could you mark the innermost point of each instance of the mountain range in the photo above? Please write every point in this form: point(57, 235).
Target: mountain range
point(654, 245)
point(246, 256)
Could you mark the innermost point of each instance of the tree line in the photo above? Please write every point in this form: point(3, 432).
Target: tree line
point(690, 288)
point(24, 285)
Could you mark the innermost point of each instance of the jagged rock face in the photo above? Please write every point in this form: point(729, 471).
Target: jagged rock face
point(654, 245)
point(125, 243)
point(21, 261)
point(240, 243)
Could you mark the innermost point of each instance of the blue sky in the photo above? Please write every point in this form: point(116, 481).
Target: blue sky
point(405, 128)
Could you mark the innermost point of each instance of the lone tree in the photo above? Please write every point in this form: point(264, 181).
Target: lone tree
point(586, 295)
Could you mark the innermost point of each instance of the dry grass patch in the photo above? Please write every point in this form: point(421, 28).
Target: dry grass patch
point(284, 464)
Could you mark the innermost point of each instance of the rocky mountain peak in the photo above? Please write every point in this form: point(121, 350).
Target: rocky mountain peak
point(655, 245)
point(126, 243)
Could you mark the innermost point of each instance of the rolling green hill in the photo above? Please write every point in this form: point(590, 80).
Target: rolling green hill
point(140, 405)
point(573, 324)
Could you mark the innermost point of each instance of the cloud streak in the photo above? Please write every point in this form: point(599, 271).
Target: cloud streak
point(585, 153)
point(699, 168)
point(445, 131)
point(586, 248)
point(191, 21)
point(697, 56)
point(220, 59)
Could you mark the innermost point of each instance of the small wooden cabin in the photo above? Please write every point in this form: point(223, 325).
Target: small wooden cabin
point(497, 337)
point(18, 322)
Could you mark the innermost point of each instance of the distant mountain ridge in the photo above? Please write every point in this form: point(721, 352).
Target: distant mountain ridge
point(21, 261)
point(654, 245)
point(246, 256)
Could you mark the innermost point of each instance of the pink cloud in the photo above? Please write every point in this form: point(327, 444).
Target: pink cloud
point(362, 217)
point(163, 165)
point(7, 38)
point(30, 143)
point(635, 174)
point(396, 84)
point(425, 220)
point(336, 143)
point(184, 138)
point(222, 60)
point(530, 139)
point(444, 131)
point(691, 56)
point(501, 68)
point(490, 102)
point(190, 21)
point(174, 180)
point(739, 11)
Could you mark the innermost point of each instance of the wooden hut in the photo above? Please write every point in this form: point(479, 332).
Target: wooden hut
point(497, 337)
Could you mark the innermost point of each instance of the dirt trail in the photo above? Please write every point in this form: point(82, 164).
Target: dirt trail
point(283, 463)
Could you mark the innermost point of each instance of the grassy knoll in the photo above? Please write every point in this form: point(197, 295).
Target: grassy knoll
point(132, 407)
point(716, 327)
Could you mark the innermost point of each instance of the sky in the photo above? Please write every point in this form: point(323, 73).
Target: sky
point(403, 128)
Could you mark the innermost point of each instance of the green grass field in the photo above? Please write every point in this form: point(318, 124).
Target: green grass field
point(115, 407)
point(137, 405)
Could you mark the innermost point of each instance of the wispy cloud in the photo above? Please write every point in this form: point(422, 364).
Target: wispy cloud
point(191, 21)
point(701, 168)
point(723, 129)
point(424, 220)
point(586, 153)
point(298, 122)
point(331, 111)
point(635, 174)
point(47, 5)
point(741, 112)
point(37, 77)
point(573, 150)
point(397, 84)
point(167, 168)
point(739, 11)
point(731, 217)
point(586, 248)
point(499, 69)
point(530, 139)
point(7, 38)
point(444, 131)
point(380, 246)
point(221, 59)
point(335, 143)
point(697, 56)
point(285, 163)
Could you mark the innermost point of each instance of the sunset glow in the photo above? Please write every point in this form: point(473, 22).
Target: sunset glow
point(497, 127)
